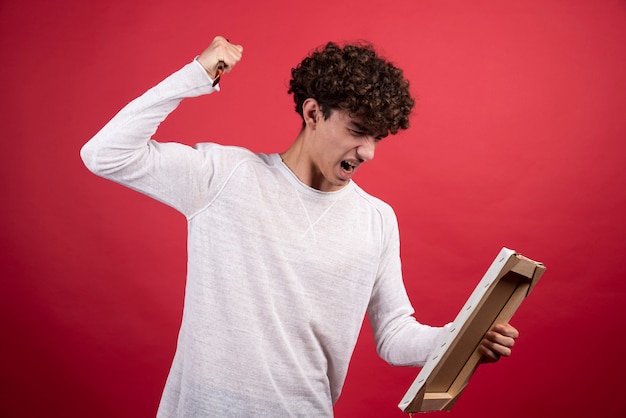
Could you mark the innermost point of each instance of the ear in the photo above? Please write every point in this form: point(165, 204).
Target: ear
point(311, 112)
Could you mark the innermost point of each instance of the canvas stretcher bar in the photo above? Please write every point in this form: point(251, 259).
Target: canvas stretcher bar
point(509, 279)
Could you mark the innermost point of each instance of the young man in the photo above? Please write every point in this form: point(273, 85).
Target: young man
point(286, 253)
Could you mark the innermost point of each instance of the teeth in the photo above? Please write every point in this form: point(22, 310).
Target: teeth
point(347, 166)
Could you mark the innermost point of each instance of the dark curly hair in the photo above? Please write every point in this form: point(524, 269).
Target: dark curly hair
point(355, 79)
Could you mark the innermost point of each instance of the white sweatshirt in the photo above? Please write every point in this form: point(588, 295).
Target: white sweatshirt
point(279, 277)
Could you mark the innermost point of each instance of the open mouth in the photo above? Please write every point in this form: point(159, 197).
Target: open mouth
point(347, 166)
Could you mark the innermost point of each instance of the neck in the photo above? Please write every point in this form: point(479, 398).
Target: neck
point(298, 159)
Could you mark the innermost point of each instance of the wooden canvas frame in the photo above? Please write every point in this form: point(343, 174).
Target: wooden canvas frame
point(509, 279)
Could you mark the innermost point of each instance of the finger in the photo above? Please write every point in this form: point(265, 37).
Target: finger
point(492, 352)
point(496, 345)
point(507, 330)
point(226, 50)
point(499, 339)
point(488, 355)
point(232, 55)
point(220, 51)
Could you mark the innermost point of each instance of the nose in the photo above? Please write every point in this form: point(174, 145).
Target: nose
point(366, 150)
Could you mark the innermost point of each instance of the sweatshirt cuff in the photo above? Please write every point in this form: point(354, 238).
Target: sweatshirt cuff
point(195, 60)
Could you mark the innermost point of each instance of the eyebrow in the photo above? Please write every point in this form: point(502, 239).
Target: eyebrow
point(360, 127)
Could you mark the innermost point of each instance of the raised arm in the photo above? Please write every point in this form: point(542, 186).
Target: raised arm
point(123, 150)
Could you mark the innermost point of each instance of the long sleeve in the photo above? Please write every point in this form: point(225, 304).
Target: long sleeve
point(123, 150)
point(400, 339)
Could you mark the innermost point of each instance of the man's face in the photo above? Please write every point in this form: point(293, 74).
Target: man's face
point(340, 145)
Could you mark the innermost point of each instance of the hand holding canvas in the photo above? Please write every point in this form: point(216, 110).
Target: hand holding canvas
point(498, 342)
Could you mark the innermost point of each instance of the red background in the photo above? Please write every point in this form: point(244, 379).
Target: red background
point(518, 140)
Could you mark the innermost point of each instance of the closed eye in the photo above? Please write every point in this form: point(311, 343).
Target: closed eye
point(356, 132)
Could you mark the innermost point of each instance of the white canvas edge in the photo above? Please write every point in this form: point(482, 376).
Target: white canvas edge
point(462, 317)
